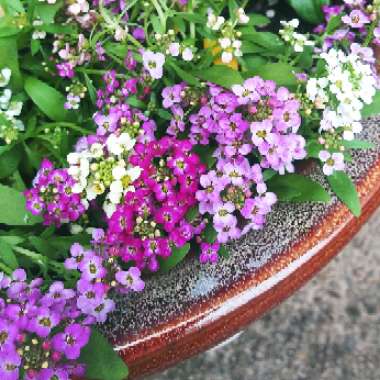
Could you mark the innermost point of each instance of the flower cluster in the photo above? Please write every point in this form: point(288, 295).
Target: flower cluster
point(152, 220)
point(296, 40)
point(236, 195)
point(10, 126)
point(99, 273)
point(53, 196)
point(347, 85)
point(228, 44)
point(29, 340)
point(101, 167)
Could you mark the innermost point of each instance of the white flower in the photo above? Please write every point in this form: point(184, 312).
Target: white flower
point(332, 162)
point(5, 76)
point(79, 6)
point(227, 57)
point(174, 49)
point(118, 145)
point(187, 54)
point(120, 33)
point(225, 43)
point(38, 34)
point(242, 17)
point(214, 22)
point(5, 98)
point(14, 109)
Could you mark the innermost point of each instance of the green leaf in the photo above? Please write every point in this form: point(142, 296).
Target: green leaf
point(47, 99)
point(192, 17)
point(345, 190)
point(256, 19)
point(221, 75)
point(269, 41)
point(205, 153)
point(309, 10)
point(178, 254)
point(313, 148)
point(12, 240)
point(184, 75)
point(333, 24)
point(12, 208)
point(135, 102)
point(209, 234)
point(102, 362)
point(358, 144)
point(223, 252)
point(192, 214)
point(10, 60)
point(297, 188)
point(9, 161)
point(47, 12)
point(7, 255)
point(281, 73)
point(372, 109)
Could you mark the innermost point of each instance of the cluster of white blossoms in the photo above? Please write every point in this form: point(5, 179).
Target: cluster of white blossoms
point(10, 126)
point(349, 83)
point(228, 43)
point(296, 40)
point(103, 169)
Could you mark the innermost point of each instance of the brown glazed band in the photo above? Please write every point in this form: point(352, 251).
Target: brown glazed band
point(232, 309)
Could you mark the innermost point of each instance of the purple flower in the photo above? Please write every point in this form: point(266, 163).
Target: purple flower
point(171, 95)
point(10, 362)
point(53, 374)
point(8, 334)
point(92, 267)
point(209, 253)
point(139, 33)
point(72, 340)
point(131, 279)
point(153, 63)
point(44, 322)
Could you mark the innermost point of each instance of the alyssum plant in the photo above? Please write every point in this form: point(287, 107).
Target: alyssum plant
point(135, 132)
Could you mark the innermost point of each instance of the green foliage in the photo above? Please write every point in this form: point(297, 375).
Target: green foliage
point(177, 255)
point(345, 189)
point(102, 362)
point(47, 99)
point(309, 10)
point(12, 208)
point(221, 75)
point(372, 109)
point(297, 188)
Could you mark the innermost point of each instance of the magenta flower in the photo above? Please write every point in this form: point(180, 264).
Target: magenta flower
point(72, 340)
point(10, 362)
point(209, 253)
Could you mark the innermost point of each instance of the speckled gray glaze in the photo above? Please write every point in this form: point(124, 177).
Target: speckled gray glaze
point(167, 296)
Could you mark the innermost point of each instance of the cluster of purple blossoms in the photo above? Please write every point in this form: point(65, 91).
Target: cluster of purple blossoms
point(236, 196)
point(356, 17)
point(52, 196)
point(256, 120)
point(100, 272)
point(254, 117)
point(116, 115)
point(152, 219)
point(29, 341)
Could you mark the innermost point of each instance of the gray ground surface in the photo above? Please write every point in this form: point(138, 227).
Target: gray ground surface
point(329, 330)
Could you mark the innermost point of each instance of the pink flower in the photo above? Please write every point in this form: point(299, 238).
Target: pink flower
point(356, 19)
